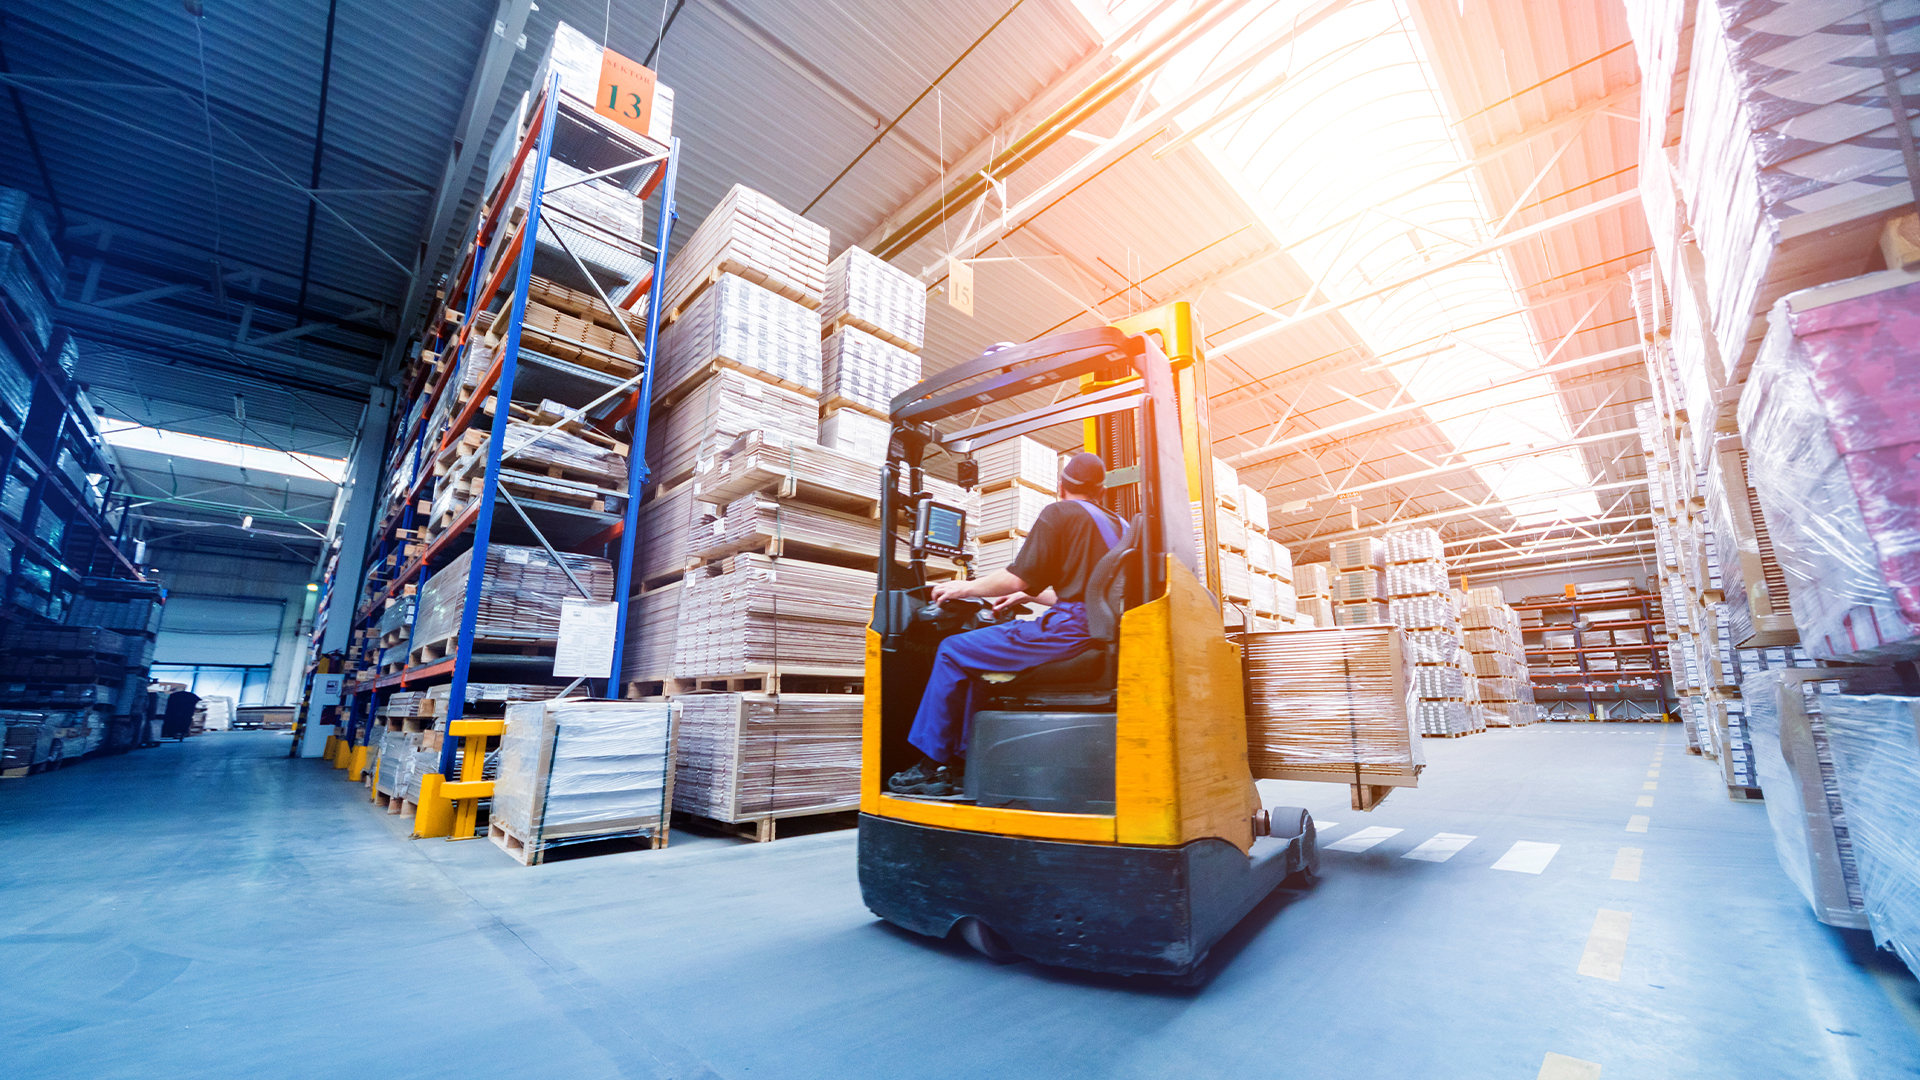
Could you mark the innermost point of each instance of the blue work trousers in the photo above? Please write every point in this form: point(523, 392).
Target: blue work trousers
point(946, 710)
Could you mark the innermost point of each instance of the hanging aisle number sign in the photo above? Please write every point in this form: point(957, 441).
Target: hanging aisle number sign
point(626, 92)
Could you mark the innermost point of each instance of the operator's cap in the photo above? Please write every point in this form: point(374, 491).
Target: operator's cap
point(1083, 470)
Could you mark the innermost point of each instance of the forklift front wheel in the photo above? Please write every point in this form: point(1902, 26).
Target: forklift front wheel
point(986, 941)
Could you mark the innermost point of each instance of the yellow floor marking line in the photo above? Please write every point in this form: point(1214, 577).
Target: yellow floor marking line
point(1606, 945)
point(1562, 1067)
point(1637, 823)
point(1644, 800)
point(1626, 865)
point(1650, 785)
point(1653, 774)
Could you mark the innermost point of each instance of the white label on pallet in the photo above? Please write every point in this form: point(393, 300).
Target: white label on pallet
point(585, 648)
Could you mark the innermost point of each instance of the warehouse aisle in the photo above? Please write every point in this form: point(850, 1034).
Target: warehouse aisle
point(1540, 895)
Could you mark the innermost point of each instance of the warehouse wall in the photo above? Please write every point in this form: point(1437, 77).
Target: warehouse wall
point(1555, 581)
point(216, 576)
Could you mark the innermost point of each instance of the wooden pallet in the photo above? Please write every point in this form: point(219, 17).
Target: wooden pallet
point(763, 829)
point(691, 381)
point(575, 302)
point(439, 650)
point(839, 680)
point(529, 853)
point(835, 403)
point(745, 272)
point(849, 319)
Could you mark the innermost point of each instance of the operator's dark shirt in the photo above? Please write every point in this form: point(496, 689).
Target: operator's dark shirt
point(1062, 551)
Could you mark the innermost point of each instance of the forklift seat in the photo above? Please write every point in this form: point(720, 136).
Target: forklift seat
point(1088, 679)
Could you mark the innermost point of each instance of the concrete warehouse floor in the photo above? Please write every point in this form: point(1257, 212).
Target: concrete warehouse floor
point(213, 909)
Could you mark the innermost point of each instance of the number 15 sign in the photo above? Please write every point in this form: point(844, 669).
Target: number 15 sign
point(626, 92)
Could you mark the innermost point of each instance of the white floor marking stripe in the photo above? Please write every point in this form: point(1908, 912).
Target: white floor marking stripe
point(1562, 1067)
point(1320, 827)
point(1644, 800)
point(1650, 785)
point(1637, 823)
point(1527, 857)
point(1626, 865)
point(1606, 945)
point(1442, 847)
point(1653, 773)
point(1363, 839)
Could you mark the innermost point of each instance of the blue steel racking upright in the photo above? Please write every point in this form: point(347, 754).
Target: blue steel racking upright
point(480, 281)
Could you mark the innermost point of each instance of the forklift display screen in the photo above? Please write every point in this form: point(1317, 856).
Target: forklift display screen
point(939, 528)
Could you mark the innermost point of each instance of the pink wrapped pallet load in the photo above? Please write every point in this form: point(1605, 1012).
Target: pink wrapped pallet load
point(1831, 416)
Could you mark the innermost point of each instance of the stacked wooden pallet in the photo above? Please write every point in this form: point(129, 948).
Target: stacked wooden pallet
point(520, 594)
point(750, 758)
point(872, 325)
point(713, 414)
point(755, 238)
point(1333, 704)
point(753, 615)
point(737, 324)
point(574, 771)
point(1421, 600)
point(1498, 656)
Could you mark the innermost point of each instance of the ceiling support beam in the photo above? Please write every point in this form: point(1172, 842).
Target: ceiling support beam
point(1474, 466)
point(1478, 251)
point(84, 314)
point(1478, 508)
point(1284, 446)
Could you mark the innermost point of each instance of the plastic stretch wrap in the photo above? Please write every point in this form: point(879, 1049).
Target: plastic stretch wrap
point(1313, 579)
point(1317, 608)
point(715, 413)
point(1445, 718)
point(1019, 460)
point(1414, 545)
point(1283, 567)
point(531, 447)
point(1416, 578)
point(762, 614)
point(1793, 760)
point(1358, 553)
point(1327, 701)
point(572, 769)
point(16, 385)
point(1877, 761)
point(1439, 681)
point(1226, 484)
point(1230, 531)
point(856, 434)
point(397, 616)
point(855, 366)
point(1349, 585)
point(396, 747)
point(1360, 613)
point(22, 286)
point(1433, 646)
point(871, 293)
point(1259, 554)
point(1831, 419)
point(745, 756)
point(652, 623)
point(1236, 581)
point(748, 233)
point(1253, 507)
point(1425, 613)
point(736, 323)
point(520, 594)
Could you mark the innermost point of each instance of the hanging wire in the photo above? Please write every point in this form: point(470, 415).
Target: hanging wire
point(206, 113)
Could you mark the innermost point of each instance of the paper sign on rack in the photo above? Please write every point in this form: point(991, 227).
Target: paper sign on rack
point(585, 648)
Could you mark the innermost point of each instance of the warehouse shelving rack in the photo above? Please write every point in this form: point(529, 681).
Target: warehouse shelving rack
point(1615, 685)
point(499, 263)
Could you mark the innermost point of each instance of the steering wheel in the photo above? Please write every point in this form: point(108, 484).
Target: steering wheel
point(958, 609)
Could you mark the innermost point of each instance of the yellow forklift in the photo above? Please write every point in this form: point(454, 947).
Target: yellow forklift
point(1110, 821)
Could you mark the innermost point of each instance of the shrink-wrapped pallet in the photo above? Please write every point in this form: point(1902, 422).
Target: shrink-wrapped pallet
point(1010, 510)
point(1285, 603)
point(868, 292)
point(533, 448)
point(716, 412)
point(1229, 531)
point(1226, 485)
point(1877, 765)
point(1283, 567)
point(1351, 585)
point(1018, 461)
point(740, 325)
point(1439, 681)
point(1444, 718)
point(576, 770)
point(1358, 553)
point(862, 369)
point(1253, 507)
point(1359, 613)
point(602, 223)
point(761, 615)
point(1260, 554)
point(1236, 581)
point(520, 593)
point(1425, 613)
point(1414, 546)
point(856, 434)
point(1331, 705)
point(748, 756)
point(653, 619)
point(1794, 763)
point(1831, 420)
point(760, 241)
point(1313, 579)
point(1416, 578)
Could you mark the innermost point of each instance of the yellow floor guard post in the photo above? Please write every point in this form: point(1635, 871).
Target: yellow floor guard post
point(357, 764)
point(341, 748)
point(467, 792)
point(328, 752)
point(435, 814)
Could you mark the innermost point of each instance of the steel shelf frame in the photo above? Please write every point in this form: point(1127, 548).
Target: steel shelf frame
point(1588, 678)
point(482, 279)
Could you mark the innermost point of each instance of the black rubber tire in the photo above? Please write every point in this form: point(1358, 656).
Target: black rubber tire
point(986, 941)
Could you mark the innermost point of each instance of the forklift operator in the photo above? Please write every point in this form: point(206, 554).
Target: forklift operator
point(1053, 568)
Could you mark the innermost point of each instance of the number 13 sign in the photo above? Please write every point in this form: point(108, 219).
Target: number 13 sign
point(626, 92)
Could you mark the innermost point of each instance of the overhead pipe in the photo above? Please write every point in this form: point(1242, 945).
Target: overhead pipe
point(1102, 92)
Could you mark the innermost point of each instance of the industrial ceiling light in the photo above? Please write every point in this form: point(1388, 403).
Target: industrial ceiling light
point(246, 521)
